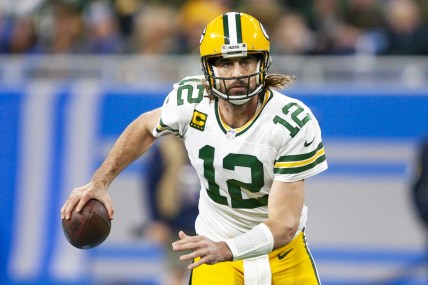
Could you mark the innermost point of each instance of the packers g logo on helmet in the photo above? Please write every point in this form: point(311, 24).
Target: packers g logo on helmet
point(234, 34)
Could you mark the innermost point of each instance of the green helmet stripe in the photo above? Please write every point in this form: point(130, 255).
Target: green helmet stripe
point(238, 27)
point(232, 28)
point(226, 29)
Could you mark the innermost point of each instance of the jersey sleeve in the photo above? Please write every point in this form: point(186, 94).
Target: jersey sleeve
point(303, 155)
point(175, 116)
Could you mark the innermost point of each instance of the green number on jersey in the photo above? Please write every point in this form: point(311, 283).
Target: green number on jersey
point(191, 98)
point(234, 186)
point(207, 155)
point(300, 123)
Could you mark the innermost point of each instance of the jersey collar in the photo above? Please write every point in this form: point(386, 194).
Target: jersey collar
point(239, 131)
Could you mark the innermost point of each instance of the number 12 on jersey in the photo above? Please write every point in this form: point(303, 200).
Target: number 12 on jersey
point(294, 117)
point(234, 186)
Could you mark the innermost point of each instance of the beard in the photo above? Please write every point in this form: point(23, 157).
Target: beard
point(239, 87)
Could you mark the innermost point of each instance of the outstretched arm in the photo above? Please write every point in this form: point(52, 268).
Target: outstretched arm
point(130, 145)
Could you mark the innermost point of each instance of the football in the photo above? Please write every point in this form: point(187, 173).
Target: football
point(89, 228)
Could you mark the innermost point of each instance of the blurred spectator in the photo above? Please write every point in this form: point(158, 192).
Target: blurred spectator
point(342, 26)
point(325, 20)
point(102, 31)
point(405, 32)
point(323, 27)
point(155, 31)
point(361, 28)
point(345, 39)
point(173, 194)
point(19, 8)
point(423, 8)
point(63, 28)
point(193, 16)
point(266, 11)
point(125, 12)
point(362, 14)
point(304, 8)
point(19, 37)
point(291, 36)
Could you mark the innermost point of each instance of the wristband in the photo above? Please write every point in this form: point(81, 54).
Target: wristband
point(256, 242)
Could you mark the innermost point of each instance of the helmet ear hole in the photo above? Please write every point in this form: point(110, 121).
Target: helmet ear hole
point(211, 61)
point(258, 55)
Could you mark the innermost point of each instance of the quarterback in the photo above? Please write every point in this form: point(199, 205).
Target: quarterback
point(252, 148)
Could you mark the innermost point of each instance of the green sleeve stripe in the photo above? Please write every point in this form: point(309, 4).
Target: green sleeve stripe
point(161, 127)
point(300, 157)
point(290, 164)
point(295, 170)
point(167, 131)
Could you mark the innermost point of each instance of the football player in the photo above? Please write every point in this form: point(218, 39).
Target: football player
point(252, 148)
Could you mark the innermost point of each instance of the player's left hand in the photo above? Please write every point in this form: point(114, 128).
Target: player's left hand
point(209, 252)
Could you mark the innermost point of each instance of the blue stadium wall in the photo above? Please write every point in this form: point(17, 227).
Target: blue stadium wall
point(40, 123)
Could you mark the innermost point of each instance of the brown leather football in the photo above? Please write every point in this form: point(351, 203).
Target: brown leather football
point(89, 228)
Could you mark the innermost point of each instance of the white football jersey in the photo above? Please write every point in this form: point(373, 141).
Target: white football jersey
point(236, 167)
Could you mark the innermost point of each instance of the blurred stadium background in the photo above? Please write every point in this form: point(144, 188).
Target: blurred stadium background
point(74, 73)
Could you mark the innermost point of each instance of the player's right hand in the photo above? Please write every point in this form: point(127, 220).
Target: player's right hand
point(208, 251)
point(80, 195)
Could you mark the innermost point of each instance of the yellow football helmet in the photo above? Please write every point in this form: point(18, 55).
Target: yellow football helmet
point(229, 35)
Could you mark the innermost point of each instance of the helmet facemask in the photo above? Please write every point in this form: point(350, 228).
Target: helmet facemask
point(216, 82)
